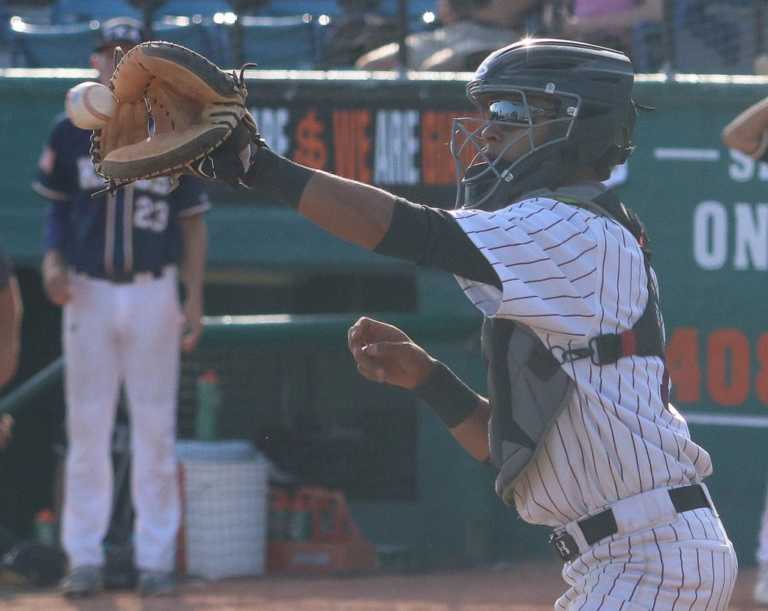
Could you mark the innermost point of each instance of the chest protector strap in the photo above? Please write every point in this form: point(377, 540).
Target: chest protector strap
point(527, 383)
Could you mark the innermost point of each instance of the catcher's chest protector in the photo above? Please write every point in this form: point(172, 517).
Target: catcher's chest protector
point(527, 384)
point(527, 389)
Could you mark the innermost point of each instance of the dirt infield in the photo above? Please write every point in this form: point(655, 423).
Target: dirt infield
point(513, 588)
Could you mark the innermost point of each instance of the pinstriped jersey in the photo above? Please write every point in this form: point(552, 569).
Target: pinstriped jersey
point(132, 230)
point(571, 275)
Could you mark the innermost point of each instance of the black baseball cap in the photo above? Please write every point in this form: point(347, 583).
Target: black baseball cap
point(120, 31)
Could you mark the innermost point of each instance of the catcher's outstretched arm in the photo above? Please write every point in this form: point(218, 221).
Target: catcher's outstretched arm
point(350, 210)
point(371, 217)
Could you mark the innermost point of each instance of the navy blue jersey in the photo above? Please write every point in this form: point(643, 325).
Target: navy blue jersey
point(135, 229)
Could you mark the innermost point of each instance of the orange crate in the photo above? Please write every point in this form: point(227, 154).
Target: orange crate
point(315, 534)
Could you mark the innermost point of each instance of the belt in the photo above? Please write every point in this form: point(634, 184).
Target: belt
point(603, 524)
point(125, 277)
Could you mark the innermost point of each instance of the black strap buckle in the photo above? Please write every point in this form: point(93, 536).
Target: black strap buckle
point(601, 350)
point(568, 355)
point(606, 349)
point(565, 546)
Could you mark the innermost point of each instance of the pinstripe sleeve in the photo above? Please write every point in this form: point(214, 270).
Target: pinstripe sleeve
point(545, 254)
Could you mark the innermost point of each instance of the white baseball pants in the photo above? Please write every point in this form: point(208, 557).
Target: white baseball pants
point(686, 564)
point(117, 333)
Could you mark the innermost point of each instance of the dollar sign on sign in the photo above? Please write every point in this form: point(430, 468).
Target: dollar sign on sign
point(310, 148)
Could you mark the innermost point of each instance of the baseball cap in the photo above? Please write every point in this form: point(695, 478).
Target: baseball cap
point(120, 30)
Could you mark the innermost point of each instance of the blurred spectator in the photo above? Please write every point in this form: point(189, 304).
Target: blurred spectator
point(470, 29)
point(610, 23)
point(720, 25)
point(359, 30)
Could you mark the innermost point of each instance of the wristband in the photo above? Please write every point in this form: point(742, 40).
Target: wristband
point(278, 177)
point(450, 398)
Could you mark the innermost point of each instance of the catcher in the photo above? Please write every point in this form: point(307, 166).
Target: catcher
point(578, 420)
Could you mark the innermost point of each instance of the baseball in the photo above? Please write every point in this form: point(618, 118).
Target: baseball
point(90, 105)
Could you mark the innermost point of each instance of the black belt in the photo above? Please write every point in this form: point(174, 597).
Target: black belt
point(603, 524)
point(123, 277)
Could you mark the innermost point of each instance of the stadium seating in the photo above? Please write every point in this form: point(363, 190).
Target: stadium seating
point(278, 42)
point(206, 8)
point(73, 11)
point(281, 36)
point(184, 31)
point(415, 7)
point(332, 8)
point(298, 7)
point(68, 45)
point(69, 11)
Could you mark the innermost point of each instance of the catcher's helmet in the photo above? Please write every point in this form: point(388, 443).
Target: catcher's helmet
point(584, 95)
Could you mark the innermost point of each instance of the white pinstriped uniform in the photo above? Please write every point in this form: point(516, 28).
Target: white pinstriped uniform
point(571, 275)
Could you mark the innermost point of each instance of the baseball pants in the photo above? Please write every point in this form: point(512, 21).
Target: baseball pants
point(117, 333)
point(688, 564)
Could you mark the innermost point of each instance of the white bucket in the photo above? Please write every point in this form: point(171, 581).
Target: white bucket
point(225, 510)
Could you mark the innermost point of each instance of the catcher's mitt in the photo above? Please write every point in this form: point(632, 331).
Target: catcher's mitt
point(174, 107)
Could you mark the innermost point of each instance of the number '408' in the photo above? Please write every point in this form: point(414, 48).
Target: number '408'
point(721, 363)
point(150, 214)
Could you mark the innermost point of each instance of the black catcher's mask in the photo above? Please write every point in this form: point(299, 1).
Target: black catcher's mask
point(578, 95)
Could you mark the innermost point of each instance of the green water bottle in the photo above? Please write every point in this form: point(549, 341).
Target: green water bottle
point(208, 406)
point(45, 527)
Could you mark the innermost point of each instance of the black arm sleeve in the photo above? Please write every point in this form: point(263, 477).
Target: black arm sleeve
point(431, 237)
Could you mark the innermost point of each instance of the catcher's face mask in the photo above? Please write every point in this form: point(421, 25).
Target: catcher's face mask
point(513, 127)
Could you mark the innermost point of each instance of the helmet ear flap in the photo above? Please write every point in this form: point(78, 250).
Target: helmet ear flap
point(602, 136)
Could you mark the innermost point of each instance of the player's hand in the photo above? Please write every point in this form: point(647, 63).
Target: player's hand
point(56, 283)
point(6, 426)
point(193, 324)
point(231, 160)
point(384, 353)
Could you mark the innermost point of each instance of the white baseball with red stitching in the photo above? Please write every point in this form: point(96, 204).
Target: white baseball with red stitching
point(89, 105)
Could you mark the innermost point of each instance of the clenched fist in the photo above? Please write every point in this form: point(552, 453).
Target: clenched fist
point(384, 353)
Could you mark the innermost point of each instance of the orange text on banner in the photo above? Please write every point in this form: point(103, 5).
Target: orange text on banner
point(683, 364)
point(727, 365)
point(437, 164)
point(352, 144)
point(310, 148)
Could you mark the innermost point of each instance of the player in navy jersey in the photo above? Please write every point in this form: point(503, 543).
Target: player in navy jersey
point(111, 261)
point(577, 420)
